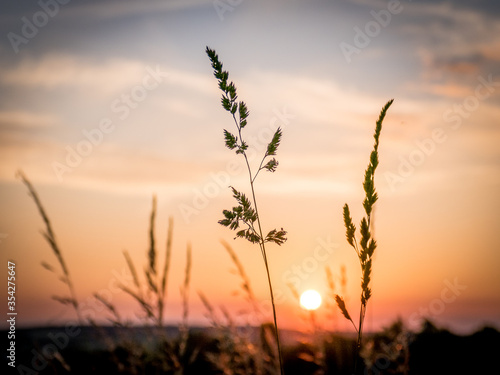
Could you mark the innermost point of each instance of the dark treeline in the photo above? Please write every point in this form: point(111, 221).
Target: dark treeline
point(145, 350)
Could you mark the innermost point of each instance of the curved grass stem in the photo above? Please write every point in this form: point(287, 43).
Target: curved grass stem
point(244, 213)
point(264, 256)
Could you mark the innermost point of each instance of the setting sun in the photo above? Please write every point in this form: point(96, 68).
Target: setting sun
point(310, 300)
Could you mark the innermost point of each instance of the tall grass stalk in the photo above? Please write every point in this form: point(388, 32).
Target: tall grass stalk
point(367, 244)
point(245, 280)
point(50, 237)
point(241, 352)
point(244, 213)
point(263, 358)
point(152, 300)
point(333, 287)
point(184, 289)
point(331, 294)
point(151, 294)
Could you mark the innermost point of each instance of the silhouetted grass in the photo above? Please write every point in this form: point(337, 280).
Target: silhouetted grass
point(150, 296)
point(50, 237)
point(244, 213)
point(238, 350)
point(367, 243)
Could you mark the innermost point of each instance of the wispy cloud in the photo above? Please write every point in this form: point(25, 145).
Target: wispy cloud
point(26, 120)
point(125, 8)
point(63, 70)
point(454, 41)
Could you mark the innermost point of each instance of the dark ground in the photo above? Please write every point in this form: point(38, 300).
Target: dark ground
point(141, 350)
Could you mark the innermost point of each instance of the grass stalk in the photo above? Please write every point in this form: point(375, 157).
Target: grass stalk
point(244, 213)
point(50, 237)
point(184, 328)
point(246, 286)
point(367, 244)
point(152, 300)
point(166, 266)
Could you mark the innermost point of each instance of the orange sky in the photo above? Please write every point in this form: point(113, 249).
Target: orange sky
point(436, 221)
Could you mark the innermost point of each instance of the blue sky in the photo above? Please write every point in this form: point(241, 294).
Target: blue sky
point(139, 71)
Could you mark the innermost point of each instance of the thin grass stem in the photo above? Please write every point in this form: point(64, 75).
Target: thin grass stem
point(50, 237)
point(264, 256)
point(244, 212)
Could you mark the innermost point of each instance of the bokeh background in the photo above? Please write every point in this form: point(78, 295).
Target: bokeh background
point(105, 103)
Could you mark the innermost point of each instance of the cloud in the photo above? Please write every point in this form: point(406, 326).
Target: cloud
point(122, 9)
point(490, 49)
point(453, 56)
point(108, 167)
point(26, 120)
point(62, 70)
point(447, 90)
point(454, 35)
point(320, 110)
point(113, 166)
point(101, 77)
point(111, 9)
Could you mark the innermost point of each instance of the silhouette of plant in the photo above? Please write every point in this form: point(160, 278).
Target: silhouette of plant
point(367, 244)
point(246, 212)
point(50, 237)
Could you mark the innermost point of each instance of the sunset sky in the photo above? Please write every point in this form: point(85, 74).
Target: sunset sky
point(105, 103)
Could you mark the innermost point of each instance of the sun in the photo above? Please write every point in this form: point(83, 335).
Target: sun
point(310, 299)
